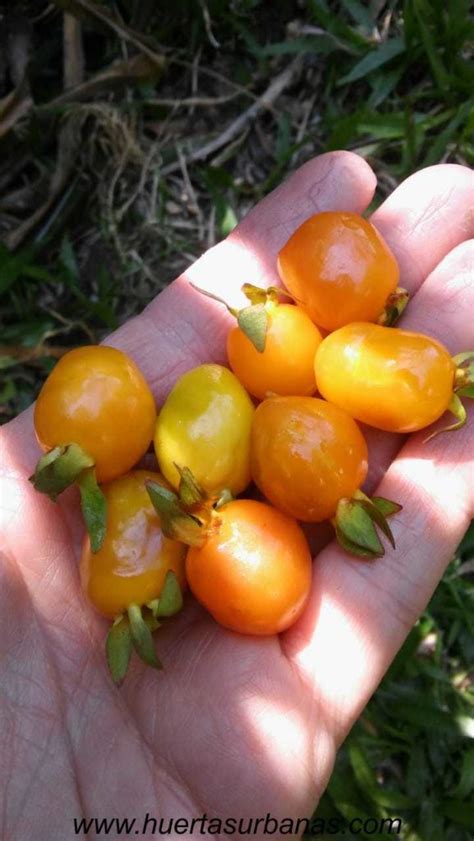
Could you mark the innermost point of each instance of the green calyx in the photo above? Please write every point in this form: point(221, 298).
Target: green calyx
point(463, 387)
point(187, 515)
point(175, 520)
point(134, 630)
point(394, 306)
point(356, 521)
point(189, 492)
point(67, 465)
point(253, 320)
point(464, 377)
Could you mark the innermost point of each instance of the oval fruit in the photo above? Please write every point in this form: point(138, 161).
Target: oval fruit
point(306, 455)
point(98, 398)
point(339, 269)
point(205, 425)
point(135, 557)
point(286, 365)
point(389, 378)
point(253, 573)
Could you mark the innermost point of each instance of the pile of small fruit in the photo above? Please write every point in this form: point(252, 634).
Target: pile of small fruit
point(247, 562)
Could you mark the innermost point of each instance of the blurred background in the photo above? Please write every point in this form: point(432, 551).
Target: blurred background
point(133, 136)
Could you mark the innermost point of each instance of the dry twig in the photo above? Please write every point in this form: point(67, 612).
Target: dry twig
point(265, 101)
point(73, 54)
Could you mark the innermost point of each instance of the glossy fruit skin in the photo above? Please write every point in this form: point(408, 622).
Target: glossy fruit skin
point(253, 574)
point(340, 269)
point(205, 425)
point(385, 377)
point(286, 365)
point(306, 455)
point(98, 398)
point(131, 566)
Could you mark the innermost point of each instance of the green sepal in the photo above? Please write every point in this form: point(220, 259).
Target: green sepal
point(459, 412)
point(142, 637)
point(253, 321)
point(255, 294)
point(170, 600)
point(190, 493)
point(118, 648)
point(386, 506)
point(464, 377)
point(394, 307)
point(356, 526)
point(59, 469)
point(94, 508)
point(265, 294)
point(351, 547)
point(175, 522)
point(376, 515)
point(461, 358)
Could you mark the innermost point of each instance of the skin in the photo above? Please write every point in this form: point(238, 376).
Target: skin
point(306, 455)
point(131, 566)
point(275, 371)
point(392, 379)
point(340, 269)
point(98, 398)
point(253, 574)
point(186, 740)
point(205, 425)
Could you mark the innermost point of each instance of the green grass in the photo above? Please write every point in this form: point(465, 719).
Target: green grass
point(411, 755)
point(125, 217)
point(396, 87)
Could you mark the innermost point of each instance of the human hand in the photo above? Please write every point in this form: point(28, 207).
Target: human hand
point(234, 726)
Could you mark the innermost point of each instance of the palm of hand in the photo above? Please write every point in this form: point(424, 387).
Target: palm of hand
point(234, 726)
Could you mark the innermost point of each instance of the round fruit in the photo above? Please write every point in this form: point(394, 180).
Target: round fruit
point(97, 397)
point(389, 378)
point(131, 566)
point(286, 365)
point(306, 455)
point(339, 269)
point(205, 425)
point(253, 573)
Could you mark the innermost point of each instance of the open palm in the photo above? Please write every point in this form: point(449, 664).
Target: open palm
point(234, 726)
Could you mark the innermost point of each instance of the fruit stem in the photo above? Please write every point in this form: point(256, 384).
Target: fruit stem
point(458, 410)
point(253, 320)
point(232, 310)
